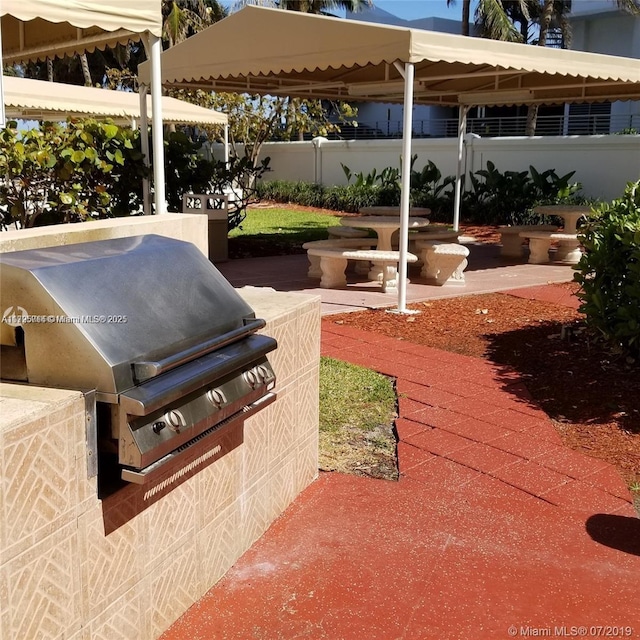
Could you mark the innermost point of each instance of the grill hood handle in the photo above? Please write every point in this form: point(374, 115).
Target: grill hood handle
point(146, 369)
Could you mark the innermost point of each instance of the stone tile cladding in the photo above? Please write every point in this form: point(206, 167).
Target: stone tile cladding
point(67, 571)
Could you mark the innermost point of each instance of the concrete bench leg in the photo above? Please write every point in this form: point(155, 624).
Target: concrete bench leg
point(389, 277)
point(445, 270)
point(568, 252)
point(333, 275)
point(539, 250)
point(314, 267)
point(375, 272)
point(362, 267)
point(444, 263)
point(385, 273)
point(511, 245)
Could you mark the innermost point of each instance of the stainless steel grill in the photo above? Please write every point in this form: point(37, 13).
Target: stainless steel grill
point(168, 345)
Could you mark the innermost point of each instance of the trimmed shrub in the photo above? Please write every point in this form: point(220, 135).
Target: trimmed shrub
point(609, 271)
point(493, 197)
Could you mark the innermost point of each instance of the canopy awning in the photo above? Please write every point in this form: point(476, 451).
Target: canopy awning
point(40, 100)
point(37, 29)
point(331, 58)
point(276, 52)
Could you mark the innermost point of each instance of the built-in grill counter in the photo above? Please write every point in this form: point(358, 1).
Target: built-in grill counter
point(152, 327)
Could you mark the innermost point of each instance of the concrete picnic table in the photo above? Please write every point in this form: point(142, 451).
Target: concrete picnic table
point(384, 226)
point(568, 246)
point(569, 213)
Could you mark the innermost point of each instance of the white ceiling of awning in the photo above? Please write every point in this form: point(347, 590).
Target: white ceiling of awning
point(36, 29)
point(40, 100)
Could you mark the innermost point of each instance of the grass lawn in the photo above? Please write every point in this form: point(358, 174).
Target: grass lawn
point(270, 232)
point(357, 409)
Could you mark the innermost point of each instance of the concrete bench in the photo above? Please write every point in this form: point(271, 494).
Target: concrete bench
point(346, 232)
point(568, 246)
point(512, 241)
point(443, 262)
point(315, 271)
point(333, 263)
point(441, 235)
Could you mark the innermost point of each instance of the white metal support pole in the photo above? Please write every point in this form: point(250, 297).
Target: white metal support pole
point(2, 114)
point(156, 130)
point(144, 146)
point(226, 145)
point(462, 127)
point(407, 134)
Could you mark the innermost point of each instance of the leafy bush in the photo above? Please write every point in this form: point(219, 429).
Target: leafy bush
point(493, 198)
point(87, 169)
point(509, 197)
point(185, 170)
point(68, 173)
point(429, 189)
point(351, 197)
point(609, 271)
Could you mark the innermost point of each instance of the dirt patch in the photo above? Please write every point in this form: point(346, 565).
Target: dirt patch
point(371, 454)
point(591, 396)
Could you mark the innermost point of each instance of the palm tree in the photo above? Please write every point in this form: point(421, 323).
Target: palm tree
point(309, 6)
point(492, 17)
point(466, 15)
point(495, 21)
point(182, 18)
point(552, 17)
point(325, 6)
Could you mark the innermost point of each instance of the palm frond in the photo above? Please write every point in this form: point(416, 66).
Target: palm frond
point(496, 23)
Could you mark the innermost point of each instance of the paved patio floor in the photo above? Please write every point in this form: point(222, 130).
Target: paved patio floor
point(487, 271)
point(494, 530)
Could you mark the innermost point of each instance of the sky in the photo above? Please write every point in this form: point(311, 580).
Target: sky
point(414, 9)
point(411, 9)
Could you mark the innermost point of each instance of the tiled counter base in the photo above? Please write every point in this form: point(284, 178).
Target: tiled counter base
point(76, 567)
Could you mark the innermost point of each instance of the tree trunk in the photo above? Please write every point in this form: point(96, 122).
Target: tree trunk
point(84, 63)
point(466, 15)
point(545, 24)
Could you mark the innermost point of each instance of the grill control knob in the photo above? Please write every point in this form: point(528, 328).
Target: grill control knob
point(263, 372)
point(158, 426)
point(216, 397)
point(251, 377)
point(174, 420)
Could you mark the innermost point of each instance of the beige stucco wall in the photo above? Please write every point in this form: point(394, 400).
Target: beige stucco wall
point(73, 566)
point(603, 164)
point(188, 227)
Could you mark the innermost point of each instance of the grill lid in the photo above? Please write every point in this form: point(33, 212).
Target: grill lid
point(112, 313)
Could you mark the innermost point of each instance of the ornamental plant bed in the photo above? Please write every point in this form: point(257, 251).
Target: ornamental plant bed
point(591, 395)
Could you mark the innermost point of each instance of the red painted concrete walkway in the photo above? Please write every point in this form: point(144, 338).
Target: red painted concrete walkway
point(495, 530)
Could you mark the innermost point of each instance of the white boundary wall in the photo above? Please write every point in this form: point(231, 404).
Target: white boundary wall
point(603, 164)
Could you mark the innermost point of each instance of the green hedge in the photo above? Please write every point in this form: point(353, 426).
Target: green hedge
point(491, 197)
point(609, 271)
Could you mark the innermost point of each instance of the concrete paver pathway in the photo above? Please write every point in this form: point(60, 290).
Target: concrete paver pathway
point(494, 530)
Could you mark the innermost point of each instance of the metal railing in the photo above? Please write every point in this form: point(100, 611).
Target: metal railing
point(574, 124)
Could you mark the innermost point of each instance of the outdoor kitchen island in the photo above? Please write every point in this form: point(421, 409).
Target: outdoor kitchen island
point(76, 566)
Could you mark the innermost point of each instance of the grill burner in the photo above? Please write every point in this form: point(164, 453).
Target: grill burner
point(149, 324)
